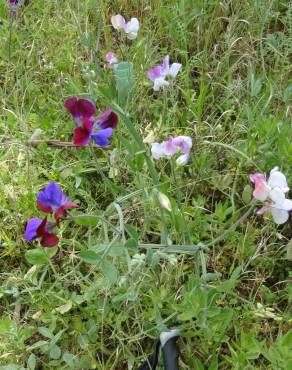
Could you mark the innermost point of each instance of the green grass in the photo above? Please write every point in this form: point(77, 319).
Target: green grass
point(71, 309)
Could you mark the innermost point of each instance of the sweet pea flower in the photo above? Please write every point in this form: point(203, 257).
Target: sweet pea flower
point(111, 59)
point(80, 109)
point(88, 127)
point(53, 200)
point(168, 148)
point(38, 228)
point(14, 3)
point(131, 28)
point(160, 72)
point(273, 191)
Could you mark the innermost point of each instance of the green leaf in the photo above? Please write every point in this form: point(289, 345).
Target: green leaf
point(131, 230)
point(124, 79)
point(116, 250)
point(55, 352)
point(45, 332)
point(109, 271)
point(246, 194)
point(89, 257)
point(131, 245)
point(69, 359)
point(31, 362)
point(36, 256)
point(86, 220)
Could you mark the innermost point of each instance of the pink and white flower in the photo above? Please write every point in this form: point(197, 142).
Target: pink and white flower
point(173, 145)
point(131, 28)
point(273, 191)
point(160, 72)
point(111, 59)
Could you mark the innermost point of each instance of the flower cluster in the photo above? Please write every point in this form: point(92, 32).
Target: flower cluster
point(89, 127)
point(50, 201)
point(173, 145)
point(273, 192)
point(131, 28)
point(160, 72)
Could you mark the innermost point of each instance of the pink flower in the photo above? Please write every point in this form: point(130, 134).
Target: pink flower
point(111, 59)
point(273, 191)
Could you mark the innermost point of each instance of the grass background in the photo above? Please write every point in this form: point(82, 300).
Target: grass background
point(232, 96)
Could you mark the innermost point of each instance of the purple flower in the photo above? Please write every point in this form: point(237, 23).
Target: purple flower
point(100, 129)
point(38, 228)
point(160, 72)
point(53, 200)
point(102, 137)
point(80, 109)
point(14, 3)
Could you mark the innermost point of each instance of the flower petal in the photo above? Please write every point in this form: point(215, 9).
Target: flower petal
point(174, 69)
point(52, 195)
point(277, 196)
point(154, 73)
point(280, 216)
point(183, 143)
point(165, 66)
point(278, 180)
point(31, 228)
point(108, 118)
point(118, 22)
point(183, 159)
point(132, 26)
point(49, 240)
point(157, 151)
point(101, 137)
point(261, 189)
point(81, 136)
point(80, 108)
point(287, 205)
point(44, 208)
point(159, 82)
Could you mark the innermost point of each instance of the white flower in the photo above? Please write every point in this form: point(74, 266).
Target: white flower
point(160, 72)
point(273, 190)
point(131, 28)
point(171, 146)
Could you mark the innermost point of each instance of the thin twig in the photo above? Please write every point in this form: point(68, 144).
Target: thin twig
point(64, 144)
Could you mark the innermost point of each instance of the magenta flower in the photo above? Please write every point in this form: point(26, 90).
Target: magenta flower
point(107, 118)
point(170, 147)
point(38, 228)
point(53, 200)
point(273, 192)
point(88, 127)
point(81, 109)
point(160, 72)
